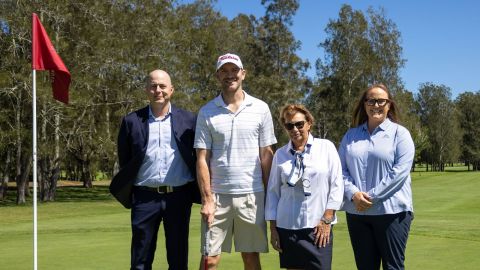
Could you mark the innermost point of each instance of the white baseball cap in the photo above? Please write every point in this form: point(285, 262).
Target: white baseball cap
point(229, 58)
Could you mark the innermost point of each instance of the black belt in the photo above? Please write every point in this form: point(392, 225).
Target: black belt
point(162, 189)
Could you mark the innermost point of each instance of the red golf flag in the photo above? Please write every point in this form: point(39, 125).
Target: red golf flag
point(44, 57)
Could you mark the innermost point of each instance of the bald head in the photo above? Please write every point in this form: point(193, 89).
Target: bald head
point(159, 88)
point(158, 74)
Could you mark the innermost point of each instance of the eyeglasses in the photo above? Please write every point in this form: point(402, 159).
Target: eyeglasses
point(299, 125)
point(381, 101)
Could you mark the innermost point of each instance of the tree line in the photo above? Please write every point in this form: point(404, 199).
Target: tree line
point(110, 46)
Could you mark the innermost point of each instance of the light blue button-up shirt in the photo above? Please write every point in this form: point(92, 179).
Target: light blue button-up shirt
point(163, 164)
point(379, 164)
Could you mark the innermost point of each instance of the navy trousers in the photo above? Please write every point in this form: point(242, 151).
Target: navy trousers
point(300, 252)
point(381, 238)
point(149, 209)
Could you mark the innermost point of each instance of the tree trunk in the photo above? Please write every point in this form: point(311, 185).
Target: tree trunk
point(4, 187)
point(50, 173)
point(50, 166)
point(18, 158)
point(107, 112)
point(53, 182)
point(41, 177)
point(86, 174)
point(56, 161)
point(22, 179)
point(116, 168)
point(4, 178)
point(43, 155)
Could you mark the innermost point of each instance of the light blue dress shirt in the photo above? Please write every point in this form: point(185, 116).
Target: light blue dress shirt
point(379, 164)
point(163, 164)
point(289, 205)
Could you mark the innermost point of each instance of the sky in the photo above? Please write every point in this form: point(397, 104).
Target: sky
point(440, 39)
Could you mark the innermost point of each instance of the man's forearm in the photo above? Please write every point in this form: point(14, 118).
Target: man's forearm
point(266, 156)
point(203, 175)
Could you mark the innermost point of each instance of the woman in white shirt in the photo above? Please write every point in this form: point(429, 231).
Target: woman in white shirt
point(305, 189)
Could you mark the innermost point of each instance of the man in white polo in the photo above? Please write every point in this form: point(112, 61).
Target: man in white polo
point(233, 141)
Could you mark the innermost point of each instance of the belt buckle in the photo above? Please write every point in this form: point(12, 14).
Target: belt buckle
point(168, 189)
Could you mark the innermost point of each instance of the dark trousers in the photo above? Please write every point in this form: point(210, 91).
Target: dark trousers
point(300, 252)
point(149, 209)
point(381, 238)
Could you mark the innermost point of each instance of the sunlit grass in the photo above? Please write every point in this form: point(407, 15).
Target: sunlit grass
point(88, 229)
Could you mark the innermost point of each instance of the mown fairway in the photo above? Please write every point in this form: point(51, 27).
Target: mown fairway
point(89, 230)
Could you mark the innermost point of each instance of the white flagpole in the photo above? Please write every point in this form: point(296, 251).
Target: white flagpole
point(34, 128)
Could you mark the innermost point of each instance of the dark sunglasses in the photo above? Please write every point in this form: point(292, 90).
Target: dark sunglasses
point(381, 101)
point(299, 125)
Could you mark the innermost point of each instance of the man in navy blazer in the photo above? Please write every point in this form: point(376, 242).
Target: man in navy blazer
point(157, 174)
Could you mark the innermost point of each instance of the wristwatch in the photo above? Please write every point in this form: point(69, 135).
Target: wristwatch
point(327, 220)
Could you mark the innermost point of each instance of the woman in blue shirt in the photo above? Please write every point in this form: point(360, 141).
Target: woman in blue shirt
point(377, 155)
point(305, 189)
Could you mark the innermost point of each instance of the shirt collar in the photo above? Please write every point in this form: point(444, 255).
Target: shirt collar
point(309, 143)
point(151, 116)
point(247, 101)
point(383, 126)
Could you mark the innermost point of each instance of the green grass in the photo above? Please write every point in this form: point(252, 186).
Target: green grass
point(87, 229)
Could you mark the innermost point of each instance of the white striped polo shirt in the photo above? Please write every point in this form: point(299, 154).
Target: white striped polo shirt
point(234, 140)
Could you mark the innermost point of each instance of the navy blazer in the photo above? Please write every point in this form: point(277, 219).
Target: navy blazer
point(132, 146)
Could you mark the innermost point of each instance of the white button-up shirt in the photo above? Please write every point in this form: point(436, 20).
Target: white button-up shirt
point(288, 205)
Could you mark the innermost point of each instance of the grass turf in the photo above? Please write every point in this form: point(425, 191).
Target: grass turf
point(87, 229)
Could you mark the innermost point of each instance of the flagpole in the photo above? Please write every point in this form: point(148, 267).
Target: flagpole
point(44, 57)
point(34, 131)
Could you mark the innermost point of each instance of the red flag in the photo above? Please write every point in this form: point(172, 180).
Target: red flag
point(44, 57)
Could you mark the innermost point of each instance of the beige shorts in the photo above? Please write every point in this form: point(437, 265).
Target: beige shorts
point(240, 216)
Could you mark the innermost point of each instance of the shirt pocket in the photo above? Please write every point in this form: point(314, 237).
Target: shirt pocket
point(316, 171)
point(286, 170)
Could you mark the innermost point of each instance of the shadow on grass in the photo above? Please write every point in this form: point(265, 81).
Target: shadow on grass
point(64, 194)
point(81, 194)
point(448, 169)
